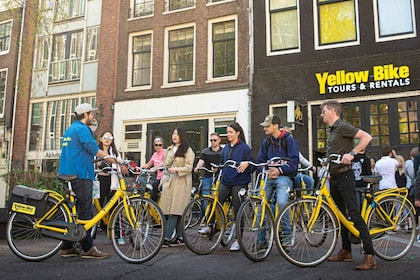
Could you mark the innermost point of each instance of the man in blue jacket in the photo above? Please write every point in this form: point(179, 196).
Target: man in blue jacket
point(279, 143)
point(78, 151)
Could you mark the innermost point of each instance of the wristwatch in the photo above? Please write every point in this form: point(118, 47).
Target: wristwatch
point(352, 153)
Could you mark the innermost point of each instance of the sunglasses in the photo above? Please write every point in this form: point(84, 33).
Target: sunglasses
point(108, 137)
point(158, 145)
point(213, 140)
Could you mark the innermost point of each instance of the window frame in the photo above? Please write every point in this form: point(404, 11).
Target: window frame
point(318, 45)
point(134, 3)
point(169, 10)
point(269, 51)
point(210, 49)
point(166, 82)
point(92, 43)
point(399, 36)
point(68, 10)
point(3, 92)
point(7, 37)
point(130, 61)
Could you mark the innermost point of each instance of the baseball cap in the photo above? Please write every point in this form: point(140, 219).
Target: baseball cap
point(271, 119)
point(84, 108)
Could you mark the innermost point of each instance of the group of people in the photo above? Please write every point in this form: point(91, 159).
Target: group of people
point(173, 185)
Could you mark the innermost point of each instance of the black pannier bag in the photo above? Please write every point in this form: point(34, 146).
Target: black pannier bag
point(28, 201)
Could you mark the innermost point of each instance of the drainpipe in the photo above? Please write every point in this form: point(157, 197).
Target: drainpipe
point(9, 168)
point(251, 63)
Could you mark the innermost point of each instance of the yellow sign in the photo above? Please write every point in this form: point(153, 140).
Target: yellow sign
point(23, 208)
point(384, 76)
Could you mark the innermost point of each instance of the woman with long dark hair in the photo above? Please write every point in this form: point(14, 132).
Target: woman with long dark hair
point(176, 184)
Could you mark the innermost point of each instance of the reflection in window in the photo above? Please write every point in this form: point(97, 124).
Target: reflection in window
point(92, 39)
point(181, 55)
point(408, 122)
point(142, 55)
point(141, 8)
point(3, 79)
point(224, 49)
point(67, 9)
point(179, 4)
point(35, 137)
point(351, 115)
point(337, 21)
point(284, 25)
point(379, 124)
point(42, 48)
point(321, 131)
point(395, 17)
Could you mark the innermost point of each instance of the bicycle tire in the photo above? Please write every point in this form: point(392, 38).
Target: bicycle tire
point(251, 233)
point(230, 226)
point(298, 245)
point(392, 244)
point(203, 243)
point(143, 242)
point(29, 243)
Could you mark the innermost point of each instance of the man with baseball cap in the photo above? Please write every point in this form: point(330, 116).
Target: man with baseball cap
point(78, 151)
point(279, 143)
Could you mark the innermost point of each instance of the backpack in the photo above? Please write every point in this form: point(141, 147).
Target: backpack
point(283, 143)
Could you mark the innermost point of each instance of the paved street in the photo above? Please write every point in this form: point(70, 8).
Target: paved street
point(180, 263)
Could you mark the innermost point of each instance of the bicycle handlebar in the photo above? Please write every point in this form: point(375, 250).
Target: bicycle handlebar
point(229, 162)
point(206, 169)
point(305, 169)
point(273, 162)
point(334, 158)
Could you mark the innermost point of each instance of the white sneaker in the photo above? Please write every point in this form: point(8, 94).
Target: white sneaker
point(204, 230)
point(235, 246)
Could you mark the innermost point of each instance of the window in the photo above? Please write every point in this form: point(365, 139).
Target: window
point(180, 55)
point(35, 138)
point(220, 126)
point(3, 81)
point(408, 122)
point(5, 33)
point(92, 39)
point(46, 5)
point(215, 1)
point(394, 19)
point(337, 23)
point(133, 132)
point(224, 49)
point(141, 60)
point(41, 57)
point(283, 26)
point(68, 9)
point(141, 8)
point(178, 4)
point(66, 57)
point(379, 124)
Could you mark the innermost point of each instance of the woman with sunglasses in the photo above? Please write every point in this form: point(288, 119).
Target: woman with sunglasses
point(156, 161)
point(108, 182)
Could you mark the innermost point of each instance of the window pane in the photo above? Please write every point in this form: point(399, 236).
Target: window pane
point(142, 60)
point(3, 78)
point(337, 22)
point(284, 25)
point(5, 33)
point(395, 17)
point(181, 57)
point(224, 53)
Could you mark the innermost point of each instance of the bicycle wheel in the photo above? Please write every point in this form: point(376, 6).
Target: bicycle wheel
point(230, 225)
point(299, 244)
point(394, 242)
point(142, 242)
point(29, 243)
point(255, 232)
point(205, 236)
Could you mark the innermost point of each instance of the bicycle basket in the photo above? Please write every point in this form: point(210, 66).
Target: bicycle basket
point(28, 201)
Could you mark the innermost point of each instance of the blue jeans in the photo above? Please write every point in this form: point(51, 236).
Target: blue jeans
point(309, 181)
point(206, 185)
point(281, 185)
point(83, 190)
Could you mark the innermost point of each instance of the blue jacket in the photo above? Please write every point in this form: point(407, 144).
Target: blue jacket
point(78, 151)
point(275, 149)
point(239, 152)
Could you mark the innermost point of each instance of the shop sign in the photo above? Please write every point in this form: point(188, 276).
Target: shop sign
point(52, 154)
point(381, 76)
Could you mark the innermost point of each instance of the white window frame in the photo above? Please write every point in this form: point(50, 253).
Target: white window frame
point(210, 49)
point(167, 11)
point(133, 10)
point(212, 2)
point(3, 99)
point(6, 51)
point(92, 48)
point(130, 61)
point(268, 32)
point(166, 83)
point(378, 38)
point(336, 45)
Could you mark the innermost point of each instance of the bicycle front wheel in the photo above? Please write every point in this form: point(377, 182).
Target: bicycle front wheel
point(255, 231)
point(303, 244)
point(140, 242)
point(393, 242)
point(202, 230)
point(28, 242)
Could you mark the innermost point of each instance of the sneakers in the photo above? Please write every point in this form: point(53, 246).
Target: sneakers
point(259, 247)
point(177, 242)
point(94, 253)
point(204, 230)
point(67, 253)
point(368, 263)
point(235, 246)
point(342, 256)
point(166, 243)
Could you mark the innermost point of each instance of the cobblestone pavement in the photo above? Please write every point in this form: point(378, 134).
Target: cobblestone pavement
point(180, 263)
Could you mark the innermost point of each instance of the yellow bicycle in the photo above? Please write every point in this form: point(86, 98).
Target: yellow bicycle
point(206, 221)
point(307, 229)
point(35, 237)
